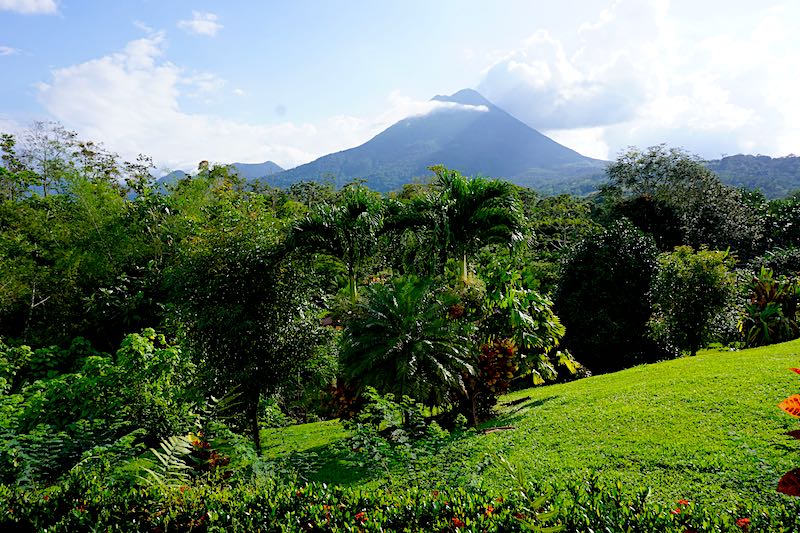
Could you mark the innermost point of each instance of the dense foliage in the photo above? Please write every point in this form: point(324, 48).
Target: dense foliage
point(603, 299)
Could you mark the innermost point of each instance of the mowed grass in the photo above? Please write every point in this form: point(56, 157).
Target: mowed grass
point(704, 428)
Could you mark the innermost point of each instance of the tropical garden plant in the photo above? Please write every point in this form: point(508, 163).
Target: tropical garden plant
point(402, 341)
point(771, 314)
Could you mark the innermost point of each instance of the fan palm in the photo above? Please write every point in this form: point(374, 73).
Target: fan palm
point(403, 342)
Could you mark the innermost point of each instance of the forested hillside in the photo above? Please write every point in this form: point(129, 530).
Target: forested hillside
point(777, 177)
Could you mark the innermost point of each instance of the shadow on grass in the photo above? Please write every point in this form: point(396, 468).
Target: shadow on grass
point(332, 464)
point(513, 408)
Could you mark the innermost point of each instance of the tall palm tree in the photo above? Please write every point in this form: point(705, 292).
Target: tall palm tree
point(464, 214)
point(402, 342)
point(346, 230)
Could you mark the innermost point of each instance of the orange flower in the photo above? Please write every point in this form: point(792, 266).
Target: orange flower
point(743, 523)
point(458, 523)
point(683, 502)
point(361, 517)
point(675, 511)
point(489, 510)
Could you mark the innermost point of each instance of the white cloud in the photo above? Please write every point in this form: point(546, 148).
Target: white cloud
point(203, 85)
point(590, 140)
point(238, 92)
point(543, 87)
point(201, 23)
point(635, 77)
point(401, 106)
point(30, 7)
point(8, 51)
point(131, 100)
point(143, 26)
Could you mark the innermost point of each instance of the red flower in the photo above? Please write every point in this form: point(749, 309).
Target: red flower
point(46, 497)
point(361, 517)
point(675, 511)
point(457, 522)
point(489, 510)
point(743, 523)
point(683, 502)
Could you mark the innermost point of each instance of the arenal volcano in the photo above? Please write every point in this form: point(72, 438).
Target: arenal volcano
point(466, 132)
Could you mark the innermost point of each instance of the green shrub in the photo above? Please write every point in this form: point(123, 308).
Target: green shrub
point(690, 290)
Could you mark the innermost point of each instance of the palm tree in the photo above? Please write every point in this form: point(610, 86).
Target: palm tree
point(346, 230)
point(464, 214)
point(402, 342)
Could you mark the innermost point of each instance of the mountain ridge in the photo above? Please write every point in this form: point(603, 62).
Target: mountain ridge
point(248, 171)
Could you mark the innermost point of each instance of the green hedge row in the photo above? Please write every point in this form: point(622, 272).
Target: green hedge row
point(316, 507)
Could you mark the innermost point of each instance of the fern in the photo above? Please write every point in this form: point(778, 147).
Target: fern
point(172, 468)
point(218, 409)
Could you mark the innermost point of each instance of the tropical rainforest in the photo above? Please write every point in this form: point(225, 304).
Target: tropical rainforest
point(217, 354)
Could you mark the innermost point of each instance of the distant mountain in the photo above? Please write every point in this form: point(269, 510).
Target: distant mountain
point(775, 176)
point(249, 171)
point(465, 132)
point(171, 179)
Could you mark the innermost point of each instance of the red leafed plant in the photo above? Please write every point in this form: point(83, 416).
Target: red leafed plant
point(789, 484)
point(498, 365)
point(791, 405)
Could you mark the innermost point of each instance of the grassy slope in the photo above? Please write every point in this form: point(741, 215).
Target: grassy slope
point(705, 428)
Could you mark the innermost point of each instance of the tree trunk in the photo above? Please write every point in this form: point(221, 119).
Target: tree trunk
point(253, 416)
point(464, 269)
point(351, 275)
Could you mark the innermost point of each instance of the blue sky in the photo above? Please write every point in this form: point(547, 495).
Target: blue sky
point(290, 81)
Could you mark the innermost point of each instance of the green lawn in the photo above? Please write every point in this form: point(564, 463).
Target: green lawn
point(705, 428)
